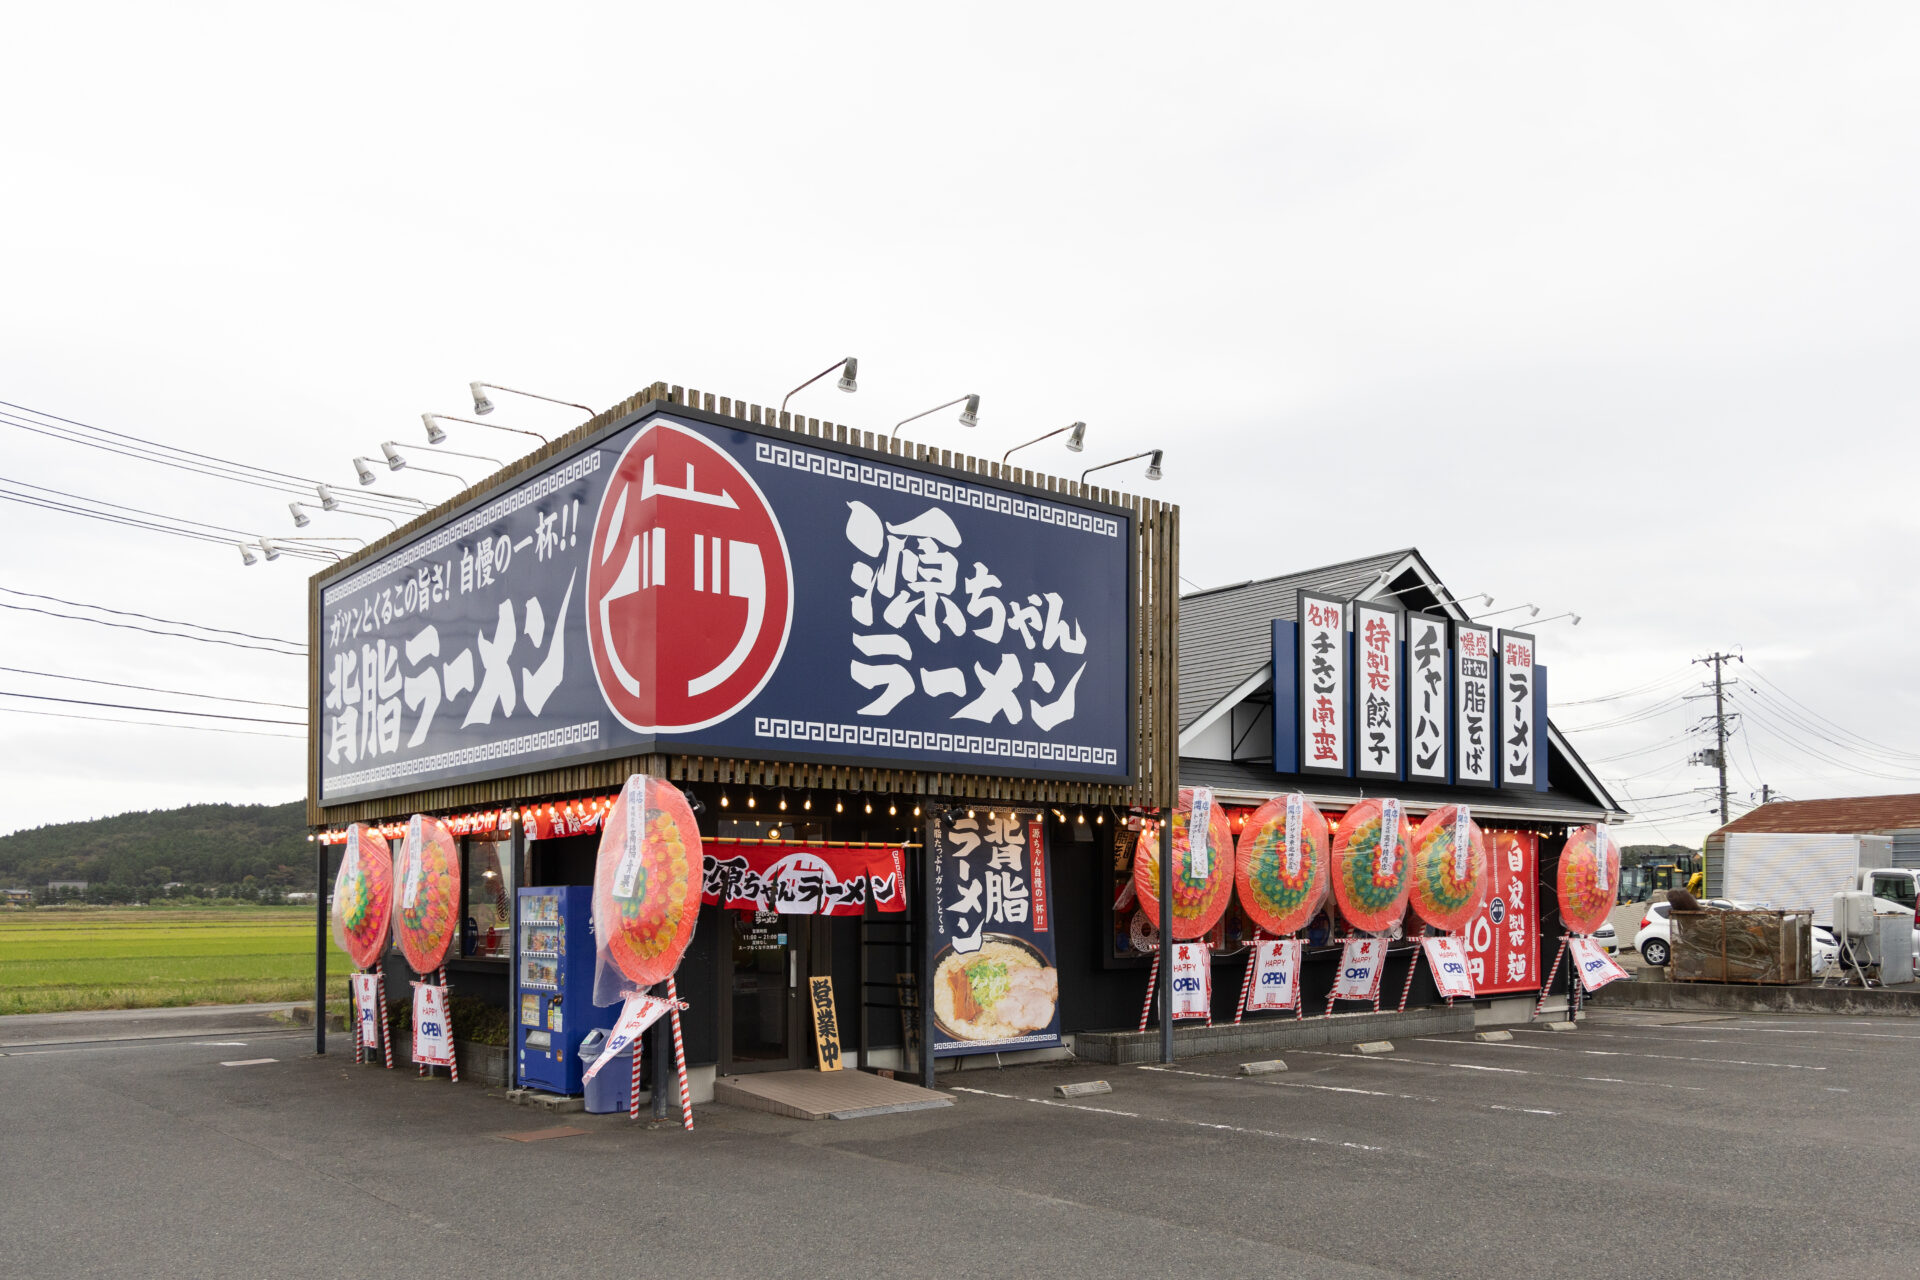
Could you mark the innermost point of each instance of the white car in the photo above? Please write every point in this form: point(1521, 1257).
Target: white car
point(1609, 940)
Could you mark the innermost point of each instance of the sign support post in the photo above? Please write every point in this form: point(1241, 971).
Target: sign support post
point(320, 888)
point(1166, 935)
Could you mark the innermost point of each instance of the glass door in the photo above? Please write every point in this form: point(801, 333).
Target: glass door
point(763, 962)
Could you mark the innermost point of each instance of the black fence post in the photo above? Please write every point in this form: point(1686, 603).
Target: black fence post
point(320, 946)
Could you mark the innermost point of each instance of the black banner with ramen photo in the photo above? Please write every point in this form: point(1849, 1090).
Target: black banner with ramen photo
point(995, 985)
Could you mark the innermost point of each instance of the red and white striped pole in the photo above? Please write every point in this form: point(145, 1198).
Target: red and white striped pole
point(1547, 986)
point(1412, 969)
point(1336, 980)
point(680, 1058)
point(386, 1019)
point(633, 1081)
point(1153, 976)
point(446, 1000)
point(1246, 980)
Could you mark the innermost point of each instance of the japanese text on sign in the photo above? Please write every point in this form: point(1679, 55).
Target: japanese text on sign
point(1426, 698)
point(1377, 689)
point(1323, 684)
point(1516, 715)
point(1473, 695)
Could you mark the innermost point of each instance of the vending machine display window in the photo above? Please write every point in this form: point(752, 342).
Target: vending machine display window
point(485, 926)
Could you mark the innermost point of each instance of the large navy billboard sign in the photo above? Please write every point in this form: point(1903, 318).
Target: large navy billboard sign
point(688, 583)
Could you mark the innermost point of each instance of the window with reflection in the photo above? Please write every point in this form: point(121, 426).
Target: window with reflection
point(487, 923)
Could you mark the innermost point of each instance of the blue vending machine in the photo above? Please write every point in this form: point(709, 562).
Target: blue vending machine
point(554, 1008)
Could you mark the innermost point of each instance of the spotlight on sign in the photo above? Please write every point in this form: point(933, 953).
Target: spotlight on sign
point(1153, 464)
point(481, 405)
point(970, 416)
point(269, 550)
point(435, 435)
point(848, 373)
point(246, 556)
point(364, 470)
point(300, 518)
point(1076, 439)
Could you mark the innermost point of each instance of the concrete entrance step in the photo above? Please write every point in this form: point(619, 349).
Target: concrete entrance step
point(821, 1095)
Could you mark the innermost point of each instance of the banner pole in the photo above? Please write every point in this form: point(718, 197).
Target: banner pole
point(680, 1058)
point(1166, 935)
point(635, 1056)
point(1246, 979)
point(446, 1000)
point(659, 1091)
point(929, 913)
point(1546, 988)
point(386, 1017)
point(1412, 969)
point(320, 948)
point(1153, 981)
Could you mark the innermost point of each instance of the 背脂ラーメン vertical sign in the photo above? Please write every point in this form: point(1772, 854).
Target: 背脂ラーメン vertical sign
point(990, 948)
point(677, 582)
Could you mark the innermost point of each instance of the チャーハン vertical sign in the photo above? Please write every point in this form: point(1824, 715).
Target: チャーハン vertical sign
point(1427, 702)
point(1322, 675)
point(991, 945)
point(1376, 682)
point(1474, 747)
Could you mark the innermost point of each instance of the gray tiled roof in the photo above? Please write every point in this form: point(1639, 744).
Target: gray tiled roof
point(1226, 633)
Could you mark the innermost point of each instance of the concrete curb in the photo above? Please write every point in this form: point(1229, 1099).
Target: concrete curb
point(1129, 1047)
point(1717, 997)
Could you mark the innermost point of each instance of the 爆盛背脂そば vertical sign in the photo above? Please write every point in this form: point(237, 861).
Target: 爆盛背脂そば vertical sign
point(991, 946)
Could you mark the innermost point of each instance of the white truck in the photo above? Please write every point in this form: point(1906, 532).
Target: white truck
point(1790, 872)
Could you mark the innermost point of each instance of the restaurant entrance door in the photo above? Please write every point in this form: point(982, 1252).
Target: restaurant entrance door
point(764, 955)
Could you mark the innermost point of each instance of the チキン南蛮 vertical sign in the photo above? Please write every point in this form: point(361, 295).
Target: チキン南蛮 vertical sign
point(1376, 680)
point(1474, 746)
point(1323, 684)
point(1427, 709)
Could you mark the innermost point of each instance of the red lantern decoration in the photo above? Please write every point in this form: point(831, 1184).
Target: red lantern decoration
point(646, 884)
point(1372, 864)
point(1281, 894)
point(426, 906)
point(1198, 901)
point(1589, 879)
point(1452, 869)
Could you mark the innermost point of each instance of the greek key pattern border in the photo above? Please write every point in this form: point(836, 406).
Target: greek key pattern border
point(879, 735)
point(854, 471)
point(406, 557)
point(485, 753)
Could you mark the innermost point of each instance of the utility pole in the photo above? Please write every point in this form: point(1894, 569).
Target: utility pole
point(1766, 794)
point(1719, 752)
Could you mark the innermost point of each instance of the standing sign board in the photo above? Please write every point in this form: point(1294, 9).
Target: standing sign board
point(1595, 967)
point(432, 1041)
point(1276, 976)
point(1475, 749)
point(1362, 962)
point(826, 1023)
point(1192, 980)
point(1447, 956)
point(1518, 736)
point(1503, 941)
point(366, 1007)
point(687, 583)
point(991, 944)
point(1321, 671)
point(1428, 706)
point(1377, 683)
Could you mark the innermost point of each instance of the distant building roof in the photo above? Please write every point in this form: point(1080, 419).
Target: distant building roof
point(1847, 815)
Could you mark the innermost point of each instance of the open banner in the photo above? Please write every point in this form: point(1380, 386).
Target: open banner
point(432, 1038)
point(1276, 976)
point(804, 879)
point(639, 1013)
point(1362, 962)
point(366, 1007)
point(1192, 980)
point(1595, 967)
point(1448, 958)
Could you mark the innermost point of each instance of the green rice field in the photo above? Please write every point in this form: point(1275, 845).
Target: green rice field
point(148, 957)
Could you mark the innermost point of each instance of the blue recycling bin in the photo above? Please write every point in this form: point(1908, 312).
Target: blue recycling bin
point(607, 1092)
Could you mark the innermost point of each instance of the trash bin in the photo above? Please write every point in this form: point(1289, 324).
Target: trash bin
point(607, 1091)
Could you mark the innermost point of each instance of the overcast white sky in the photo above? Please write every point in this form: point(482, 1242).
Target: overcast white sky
point(1610, 309)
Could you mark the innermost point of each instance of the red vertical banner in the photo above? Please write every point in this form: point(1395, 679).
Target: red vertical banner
point(1503, 941)
point(1037, 860)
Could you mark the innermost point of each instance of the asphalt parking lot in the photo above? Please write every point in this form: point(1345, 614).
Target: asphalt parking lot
point(1642, 1144)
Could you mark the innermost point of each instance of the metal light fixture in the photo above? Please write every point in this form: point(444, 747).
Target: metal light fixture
point(1153, 464)
point(246, 556)
point(451, 453)
point(364, 470)
point(969, 416)
point(300, 518)
point(435, 435)
point(1076, 440)
point(484, 406)
point(1534, 611)
point(269, 550)
point(849, 374)
point(330, 503)
point(1574, 618)
point(395, 462)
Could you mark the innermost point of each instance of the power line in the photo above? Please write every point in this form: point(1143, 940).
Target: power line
point(128, 626)
point(300, 553)
point(147, 617)
point(169, 711)
point(101, 502)
point(148, 724)
point(1835, 725)
point(1674, 680)
point(147, 688)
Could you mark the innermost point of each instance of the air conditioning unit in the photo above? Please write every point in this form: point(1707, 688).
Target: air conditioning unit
point(1853, 915)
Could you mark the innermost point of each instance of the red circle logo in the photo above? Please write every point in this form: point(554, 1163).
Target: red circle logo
point(689, 589)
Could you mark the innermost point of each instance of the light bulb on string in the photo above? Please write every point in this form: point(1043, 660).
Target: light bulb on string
point(869, 804)
point(839, 806)
point(807, 803)
point(891, 810)
point(750, 803)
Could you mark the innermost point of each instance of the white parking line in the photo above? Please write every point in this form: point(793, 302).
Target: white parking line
point(1198, 1124)
point(1389, 1060)
point(1270, 1083)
